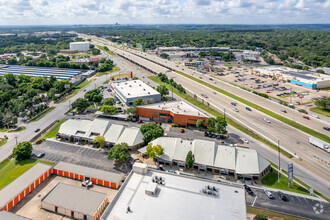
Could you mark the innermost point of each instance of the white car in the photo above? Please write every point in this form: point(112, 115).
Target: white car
point(235, 109)
point(244, 140)
point(266, 120)
point(87, 183)
point(316, 116)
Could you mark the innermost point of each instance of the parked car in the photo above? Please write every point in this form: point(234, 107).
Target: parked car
point(182, 130)
point(161, 168)
point(269, 194)
point(282, 196)
point(235, 109)
point(248, 108)
point(248, 190)
point(140, 121)
point(41, 155)
point(266, 120)
point(87, 183)
point(206, 134)
point(326, 128)
point(244, 140)
point(37, 130)
point(284, 111)
point(306, 117)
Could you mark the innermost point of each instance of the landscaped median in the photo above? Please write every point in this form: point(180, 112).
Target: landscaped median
point(51, 133)
point(259, 108)
point(10, 169)
point(216, 113)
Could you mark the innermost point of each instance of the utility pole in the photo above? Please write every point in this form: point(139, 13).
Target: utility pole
point(279, 160)
point(224, 113)
point(16, 139)
point(172, 93)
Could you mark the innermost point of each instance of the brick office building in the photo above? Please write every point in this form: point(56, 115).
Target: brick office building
point(177, 112)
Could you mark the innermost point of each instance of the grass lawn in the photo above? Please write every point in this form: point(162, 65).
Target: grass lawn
point(271, 214)
point(216, 113)
point(271, 181)
point(53, 130)
point(115, 69)
point(3, 129)
point(42, 114)
point(320, 111)
point(107, 51)
point(21, 128)
point(3, 141)
point(10, 170)
point(266, 111)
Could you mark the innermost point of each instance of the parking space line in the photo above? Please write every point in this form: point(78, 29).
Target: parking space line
point(254, 200)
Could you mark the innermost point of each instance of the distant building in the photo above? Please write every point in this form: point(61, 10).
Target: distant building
point(69, 51)
point(298, 77)
point(80, 46)
point(209, 156)
point(171, 196)
point(177, 112)
point(130, 90)
point(161, 50)
point(251, 55)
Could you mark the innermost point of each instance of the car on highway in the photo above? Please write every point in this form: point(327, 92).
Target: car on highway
point(315, 116)
point(214, 93)
point(235, 109)
point(266, 120)
point(326, 128)
point(248, 190)
point(37, 130)
point(282, 196)
point(182, 130)
point(269, 194)
point(201, 77)
point(306, 117)
point(234, 103)
point(284, 111)
point(41, 155)
point(84, 90)
point(248, 108)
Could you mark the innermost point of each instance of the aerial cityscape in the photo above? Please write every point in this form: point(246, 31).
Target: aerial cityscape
point(178, 109)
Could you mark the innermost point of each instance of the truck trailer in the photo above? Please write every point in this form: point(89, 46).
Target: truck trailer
point(320, 144)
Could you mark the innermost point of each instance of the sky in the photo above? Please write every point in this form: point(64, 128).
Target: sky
point(57, 12)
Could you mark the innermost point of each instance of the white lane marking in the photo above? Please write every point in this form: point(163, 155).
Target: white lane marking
point(254, 201)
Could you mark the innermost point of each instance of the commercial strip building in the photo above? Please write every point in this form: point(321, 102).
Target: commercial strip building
point(209, 156)
point(130, 90)
point(23, 185)
point(298, 77)
point(75, 202)
point(148, 195)
point(80, 46)
point(85, 131)
point(177, 112)
point(97, 176)
point(10, 216)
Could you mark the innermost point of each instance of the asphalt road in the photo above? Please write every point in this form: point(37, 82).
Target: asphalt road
point(296, 205)
point(290, 138)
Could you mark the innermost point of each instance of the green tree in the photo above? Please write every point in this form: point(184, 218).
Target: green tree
point(221, 124)
point(199, 123)
point(152, 151)
point(109, 109)
point(320, 71)
point(119, 153)
point(151, 131)
point(131, 111)
point(22, 151)
point(164, 55)
point(162, 90)
point(80, 104)
point(190, 160)
point(109, 101)
point(138, 101)
point(99, 140)
point(260, 217)
point(211, 123)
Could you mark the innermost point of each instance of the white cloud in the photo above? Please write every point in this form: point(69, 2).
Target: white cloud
point(25, 12)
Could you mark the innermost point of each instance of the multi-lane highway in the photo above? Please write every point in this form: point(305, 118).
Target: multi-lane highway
point(290, 138)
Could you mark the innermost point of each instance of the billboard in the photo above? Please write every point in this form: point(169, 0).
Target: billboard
point(290, 172)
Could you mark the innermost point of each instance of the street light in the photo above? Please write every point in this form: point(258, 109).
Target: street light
point(279, 160)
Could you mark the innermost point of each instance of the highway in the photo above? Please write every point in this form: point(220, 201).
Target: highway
point(291, 139)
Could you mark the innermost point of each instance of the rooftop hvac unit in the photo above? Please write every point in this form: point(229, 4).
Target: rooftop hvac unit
point(148, 92)
point(139, 84)
point(128, 94)
point(130, 85)
point(144, 89)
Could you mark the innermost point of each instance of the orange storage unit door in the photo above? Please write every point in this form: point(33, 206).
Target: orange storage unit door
point(66, 173)
point(60, 172)
point(21, 195)
point(81, 177)
point(71, 175)
point(94, 180)
point(55, 171)
point(41, 179)
point(31, 187)
point(107, 183)
point(27, 190)
point(113, 185)
point(10, 204)
point(45, 175)
point(100, 182)
point(4, 208)
point(16, 200)
point(49, 172)
point(76, 176)
point(37, 182)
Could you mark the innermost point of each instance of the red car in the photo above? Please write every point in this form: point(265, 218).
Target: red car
point(182, 130)
point(140, 121)
point(306, 117)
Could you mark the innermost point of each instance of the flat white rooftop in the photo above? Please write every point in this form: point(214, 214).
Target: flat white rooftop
point(180, 198)
point(134, 88)
point(177, 107)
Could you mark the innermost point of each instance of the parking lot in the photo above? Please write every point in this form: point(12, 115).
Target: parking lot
point(296, 205)
point(30, 206)
point(86, 156)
